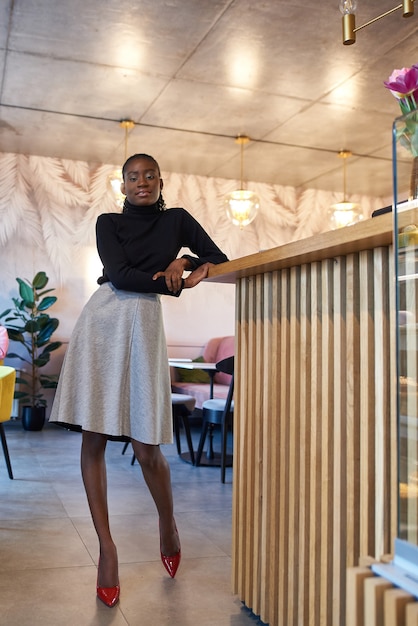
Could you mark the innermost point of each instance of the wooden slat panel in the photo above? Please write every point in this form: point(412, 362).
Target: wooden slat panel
point(252, 486)
point(395, 602)
point(326, 452)
point(350, 409)
point(283, 451)
point(355, 595)
point(411, 618)
point(312, 596)
point(258, 524)
point(367, 395)
point(241, 445)
point(304, 444)
point(374, 589)
point(270, 510)
point(339, 504)
point(313, 432)
point(374, 601)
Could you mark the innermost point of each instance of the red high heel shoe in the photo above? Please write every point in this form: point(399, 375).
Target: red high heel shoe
point(108, 595)
point(171, 563)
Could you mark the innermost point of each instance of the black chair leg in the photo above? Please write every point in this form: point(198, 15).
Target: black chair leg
point(125, 447)
point(182, 412)
point(201, 442)
point(186, 425)
point(177, 429)
point(224, 437)
point(6, 451)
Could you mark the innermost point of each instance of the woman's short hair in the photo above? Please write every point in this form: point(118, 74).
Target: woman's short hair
point(139, 156)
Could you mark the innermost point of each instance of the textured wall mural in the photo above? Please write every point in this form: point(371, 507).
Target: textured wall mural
point(48, 212)
point(49, 207)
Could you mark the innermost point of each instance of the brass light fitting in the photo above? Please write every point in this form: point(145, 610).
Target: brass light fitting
point(348, 8)
point(241, 205)
point(115, 179)
point(344, 213)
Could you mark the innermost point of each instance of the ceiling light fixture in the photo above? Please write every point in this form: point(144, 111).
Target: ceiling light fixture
point(344, 213)
point(348, 9)
point(242, 205)
point(115, 179)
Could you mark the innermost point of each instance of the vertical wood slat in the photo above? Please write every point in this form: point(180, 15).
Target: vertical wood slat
point(355, 595)
point(311, 431)
point(367, 396)
point(312, 595)
point(411, 614)
point(282, 493)
point(269, 513)
point(374, 601)
point(395, 602)
point(374, 593)
point(304, 450)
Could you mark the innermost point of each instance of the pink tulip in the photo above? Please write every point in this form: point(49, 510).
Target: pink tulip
point(403, 83)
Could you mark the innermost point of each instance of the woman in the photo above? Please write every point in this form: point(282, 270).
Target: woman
point(115, 381)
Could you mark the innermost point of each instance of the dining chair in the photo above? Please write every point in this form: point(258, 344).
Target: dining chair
point(7, 387)
point(218, 411)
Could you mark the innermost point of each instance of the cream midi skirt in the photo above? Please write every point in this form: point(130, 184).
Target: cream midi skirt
point(115, 377)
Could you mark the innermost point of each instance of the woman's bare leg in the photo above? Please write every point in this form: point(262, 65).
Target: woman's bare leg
point(156, 473)
point(93, 469)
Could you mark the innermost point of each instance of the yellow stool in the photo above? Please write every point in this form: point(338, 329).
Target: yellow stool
point(7, 387)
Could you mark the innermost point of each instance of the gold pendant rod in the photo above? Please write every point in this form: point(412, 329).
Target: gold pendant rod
point(349, 20)
point(127, 125)
point(242, 139)
point(379, 17)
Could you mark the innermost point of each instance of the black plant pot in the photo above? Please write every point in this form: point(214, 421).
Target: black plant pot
point(33, 417)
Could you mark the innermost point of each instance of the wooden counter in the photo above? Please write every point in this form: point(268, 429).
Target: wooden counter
point(315, 420)
point(366, 235)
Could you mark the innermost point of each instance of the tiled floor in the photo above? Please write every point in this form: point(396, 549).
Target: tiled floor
point(48, 547)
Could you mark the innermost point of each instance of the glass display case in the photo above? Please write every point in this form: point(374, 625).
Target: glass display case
point(405, 184)
point(403, 571)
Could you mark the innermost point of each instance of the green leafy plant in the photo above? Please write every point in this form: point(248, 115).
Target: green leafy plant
point(28, 324)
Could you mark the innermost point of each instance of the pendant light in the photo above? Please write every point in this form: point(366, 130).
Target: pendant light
point(242, 205)
point(344, 213)
point(348, 10)
point(115, 179)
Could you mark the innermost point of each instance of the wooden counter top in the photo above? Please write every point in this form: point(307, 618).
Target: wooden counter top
point(372, 233)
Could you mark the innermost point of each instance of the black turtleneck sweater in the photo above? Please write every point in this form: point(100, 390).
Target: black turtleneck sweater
point(141, 241)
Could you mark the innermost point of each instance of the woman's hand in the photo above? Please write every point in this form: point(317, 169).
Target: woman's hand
point(173, 274)
point(197, 275)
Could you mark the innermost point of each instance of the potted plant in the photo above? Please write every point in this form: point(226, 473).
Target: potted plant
point(28, 324)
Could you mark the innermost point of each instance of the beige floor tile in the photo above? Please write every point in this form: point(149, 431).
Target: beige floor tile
point(49, 549)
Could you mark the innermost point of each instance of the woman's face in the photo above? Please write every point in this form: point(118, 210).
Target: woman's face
point(142, 183)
